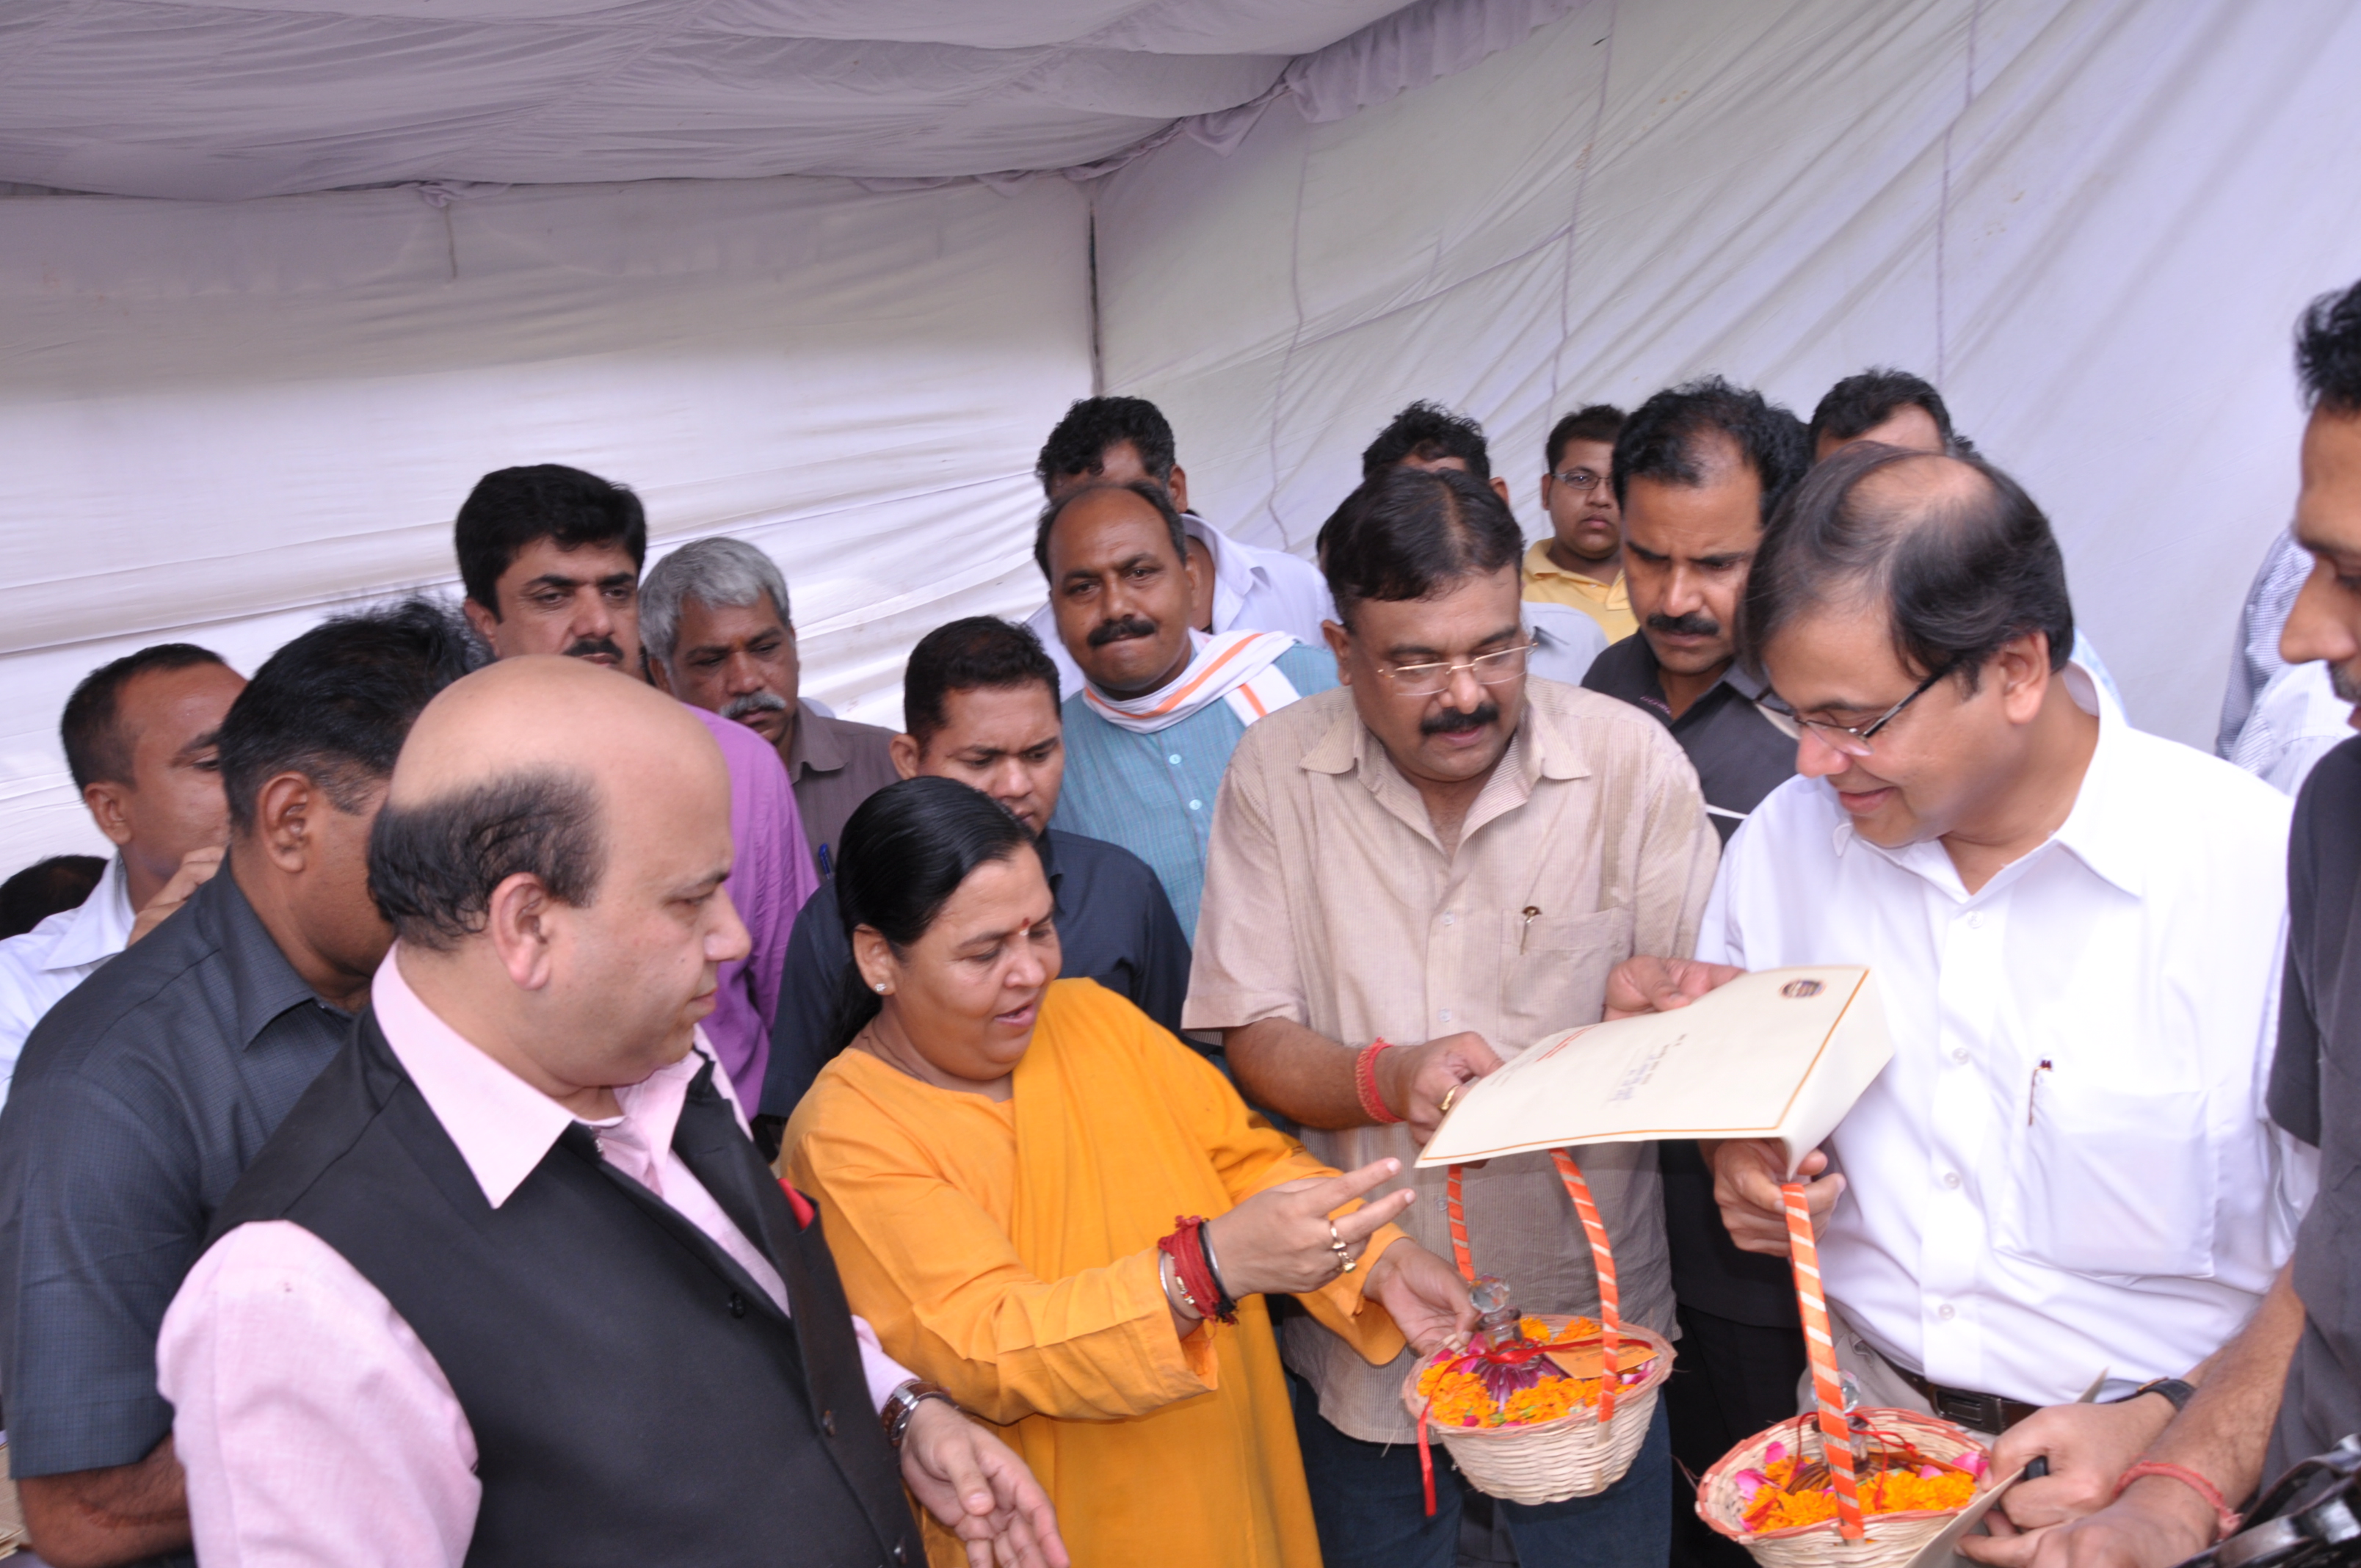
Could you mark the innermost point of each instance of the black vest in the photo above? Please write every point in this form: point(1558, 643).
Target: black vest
point(635, 1397)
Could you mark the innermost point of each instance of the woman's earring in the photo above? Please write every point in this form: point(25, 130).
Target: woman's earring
point(881, 988)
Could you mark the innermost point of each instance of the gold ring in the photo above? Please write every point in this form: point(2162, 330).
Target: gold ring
point(1449, 1095)
point(1336, 1245)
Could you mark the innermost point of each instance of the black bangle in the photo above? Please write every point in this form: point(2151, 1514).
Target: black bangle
point(2172, 1388)
point(1226, 1309)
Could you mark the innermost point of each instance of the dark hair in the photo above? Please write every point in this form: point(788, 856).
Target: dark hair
point(1661, 439)
point(1959, 576)
point(512, 507)
point(980, 651)
point(336, 704)
point(1427, 432)
point(1599, 421)
point(2328, 352)
point(1859, 404)
point(899, 859)
point(1153, 494)
point(432, 867)
point(46, 888)
point(97, 751)
point(1079, 444)
point(1410, 532)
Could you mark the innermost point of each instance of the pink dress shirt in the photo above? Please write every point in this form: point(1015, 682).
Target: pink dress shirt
point(313, 1425)
point(772, 877)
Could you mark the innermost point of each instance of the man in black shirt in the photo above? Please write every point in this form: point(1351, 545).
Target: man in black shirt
point(2289, 1386)
point(144, 1094)
point(1697, 471)
point(980, 705)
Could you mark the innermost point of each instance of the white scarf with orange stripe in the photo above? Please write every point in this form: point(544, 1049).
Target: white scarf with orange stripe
point(1240, 668)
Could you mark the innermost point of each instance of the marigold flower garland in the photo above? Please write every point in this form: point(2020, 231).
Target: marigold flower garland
point(1459, 1398)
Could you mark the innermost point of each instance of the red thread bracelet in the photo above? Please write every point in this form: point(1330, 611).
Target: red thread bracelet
point(1186, 1247)
point(2224, 1520)
point(1365, 1084)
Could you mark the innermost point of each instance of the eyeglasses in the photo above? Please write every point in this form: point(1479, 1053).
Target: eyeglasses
point(1433, 680)
point(1578, 479)
point(1853, 740)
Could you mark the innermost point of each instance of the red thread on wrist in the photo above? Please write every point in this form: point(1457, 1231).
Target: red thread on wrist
point(1365, 1084)
point(1186, 1247)
point(2224, 1522)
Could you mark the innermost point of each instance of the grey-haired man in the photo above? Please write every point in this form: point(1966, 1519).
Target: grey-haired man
point(714, 619)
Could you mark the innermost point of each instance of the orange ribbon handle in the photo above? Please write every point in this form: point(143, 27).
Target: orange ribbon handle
point(1819, 1344)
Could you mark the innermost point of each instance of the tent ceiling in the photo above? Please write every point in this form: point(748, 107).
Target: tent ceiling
point(179, 98)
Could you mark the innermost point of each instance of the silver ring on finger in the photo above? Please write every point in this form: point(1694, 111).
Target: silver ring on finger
point(1343, 1253)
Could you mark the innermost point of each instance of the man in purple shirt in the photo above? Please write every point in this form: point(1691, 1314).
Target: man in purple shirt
point(551, 558)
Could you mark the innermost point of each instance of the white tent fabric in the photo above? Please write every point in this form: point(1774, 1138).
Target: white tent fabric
point(267, 97)
point(2091, 222)
point(223, 418)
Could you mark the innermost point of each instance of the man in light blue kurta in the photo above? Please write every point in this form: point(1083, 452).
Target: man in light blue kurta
point(1150, 733)
point(1154, 794)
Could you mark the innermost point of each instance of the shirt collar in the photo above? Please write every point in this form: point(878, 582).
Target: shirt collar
point(262, 983)
point(2103, 830)
point(101, 927)
point(1233, 571)
point(503, 1126)
point(1539, 564)
point(817, 748)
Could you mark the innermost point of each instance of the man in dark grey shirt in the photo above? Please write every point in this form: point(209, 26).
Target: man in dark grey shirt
point(145, 1093)
point(1698, 470)
point(981, 699)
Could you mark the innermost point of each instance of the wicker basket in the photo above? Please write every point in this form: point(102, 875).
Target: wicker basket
point(1892, 1540)
point(1548, 1461)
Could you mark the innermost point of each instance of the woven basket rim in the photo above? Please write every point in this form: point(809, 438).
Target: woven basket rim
point(1719, 1474)
point(1658, 1370)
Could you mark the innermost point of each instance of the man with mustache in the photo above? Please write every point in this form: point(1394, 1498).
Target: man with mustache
point(551, 558)
point(1163, 705)
point(713, 617)
point(1698, 469)
point(1412, 878)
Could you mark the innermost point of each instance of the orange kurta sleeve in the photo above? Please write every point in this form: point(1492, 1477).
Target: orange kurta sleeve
point(1251, 1156)
point(938, 1277)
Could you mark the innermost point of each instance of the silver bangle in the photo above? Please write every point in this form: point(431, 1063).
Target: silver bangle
point(1213, 1265)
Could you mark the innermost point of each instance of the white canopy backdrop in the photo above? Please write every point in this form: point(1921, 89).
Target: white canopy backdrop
point(2090, 221)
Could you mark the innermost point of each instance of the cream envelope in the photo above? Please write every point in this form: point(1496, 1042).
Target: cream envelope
point(1776, 1054)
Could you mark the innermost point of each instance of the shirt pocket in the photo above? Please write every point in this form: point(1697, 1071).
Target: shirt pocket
point(1553, 971)
point(2115, 1179)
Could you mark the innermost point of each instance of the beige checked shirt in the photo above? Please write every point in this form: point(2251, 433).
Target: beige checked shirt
point(1329, 901)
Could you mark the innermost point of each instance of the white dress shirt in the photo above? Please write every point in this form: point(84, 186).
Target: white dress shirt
point(37, 968)
point(313, 1425)
point(2067, 1165)
point(1254, 589)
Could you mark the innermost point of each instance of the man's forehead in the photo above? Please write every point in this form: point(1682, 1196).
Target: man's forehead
point(2328, 508)
point(1107, 528)
point(702, 623)
point(545, 558)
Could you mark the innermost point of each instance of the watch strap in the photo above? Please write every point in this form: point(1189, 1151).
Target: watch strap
point(2172, 1388)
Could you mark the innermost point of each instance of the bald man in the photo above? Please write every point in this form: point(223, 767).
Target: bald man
point(511, 1283)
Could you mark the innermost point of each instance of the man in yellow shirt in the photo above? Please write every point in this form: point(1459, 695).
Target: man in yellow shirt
point(1581, 563)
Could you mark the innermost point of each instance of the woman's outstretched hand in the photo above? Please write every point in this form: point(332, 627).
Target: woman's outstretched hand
point(1279, 1241)
point(1423, 1295)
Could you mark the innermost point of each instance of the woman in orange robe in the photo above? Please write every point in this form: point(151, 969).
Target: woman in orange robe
point(995, 1157)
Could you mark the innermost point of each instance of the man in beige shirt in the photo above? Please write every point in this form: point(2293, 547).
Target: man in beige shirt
point(1443, 852)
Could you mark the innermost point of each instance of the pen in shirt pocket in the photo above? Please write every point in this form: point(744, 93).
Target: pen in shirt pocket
point(825, 868)
point(2033, 1089)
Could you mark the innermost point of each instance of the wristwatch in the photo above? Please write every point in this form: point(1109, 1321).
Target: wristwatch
point(903, 1402)
point(2172, 1388)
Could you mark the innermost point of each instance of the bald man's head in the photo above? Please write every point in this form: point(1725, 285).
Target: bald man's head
point(1950, 550)
point(533, 766)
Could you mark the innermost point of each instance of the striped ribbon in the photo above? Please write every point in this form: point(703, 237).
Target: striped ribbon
point(1602, 1257)
point(1827, 1385)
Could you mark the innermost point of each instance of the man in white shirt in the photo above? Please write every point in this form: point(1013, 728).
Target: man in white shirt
point(2066, 1171)
point(1124, 440)
point(138, 737)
